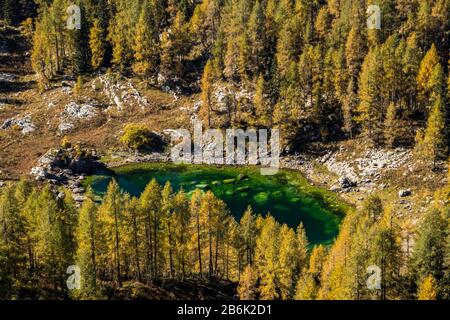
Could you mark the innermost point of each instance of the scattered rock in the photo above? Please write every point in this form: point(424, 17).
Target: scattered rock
point(121, 93)
point(79, 198)
point(346, 183)
point(241, 177)
point(39, 172)
point(78, 190)
point(7, 77)
point(65, 127)
point(404, 193)
point(25, 124)
point(67, 167)
point(76, 111)
point(335, 188)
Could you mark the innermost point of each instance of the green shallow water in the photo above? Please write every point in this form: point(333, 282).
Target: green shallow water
point(287, 195)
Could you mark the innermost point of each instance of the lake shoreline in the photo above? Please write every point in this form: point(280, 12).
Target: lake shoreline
point(303, 163)
point(288, 196)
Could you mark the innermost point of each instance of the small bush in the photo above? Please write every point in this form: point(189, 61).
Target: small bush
point(139, 137)
point(65, 143)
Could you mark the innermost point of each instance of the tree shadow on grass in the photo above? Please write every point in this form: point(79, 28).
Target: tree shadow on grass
point(14, 87)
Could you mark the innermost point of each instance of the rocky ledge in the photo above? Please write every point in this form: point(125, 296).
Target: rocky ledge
point(68, 167)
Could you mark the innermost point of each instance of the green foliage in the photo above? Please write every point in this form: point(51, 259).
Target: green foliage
point(145, 44)
point(429, 251)
point(97, 45)
point(322, 70)
point(137, 137)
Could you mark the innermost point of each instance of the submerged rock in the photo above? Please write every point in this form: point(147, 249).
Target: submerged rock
point(202, 186)
point(295, 200)
point(276, 194)
point(229, 181)
point(241, 177)
point(261, 198)
point(243, 189)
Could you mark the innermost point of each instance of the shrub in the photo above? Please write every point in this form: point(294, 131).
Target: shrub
point(139, 137)
point(65, 143)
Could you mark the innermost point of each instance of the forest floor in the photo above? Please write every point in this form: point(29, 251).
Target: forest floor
point(31, 123)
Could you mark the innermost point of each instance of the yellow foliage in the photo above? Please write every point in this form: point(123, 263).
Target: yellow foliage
point(428, 289)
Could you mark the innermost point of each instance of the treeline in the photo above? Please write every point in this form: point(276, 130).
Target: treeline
point(166, 235)
point(372, 246)
point(160, 235)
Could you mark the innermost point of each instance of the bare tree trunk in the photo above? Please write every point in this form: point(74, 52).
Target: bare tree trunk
point(199, 246)
point(119, 278)
point(155, 248)
point(170, 251)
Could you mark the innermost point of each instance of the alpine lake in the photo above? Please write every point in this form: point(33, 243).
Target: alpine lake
point(287, 196)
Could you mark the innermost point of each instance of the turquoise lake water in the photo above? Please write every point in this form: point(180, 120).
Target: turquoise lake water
point(287, 195)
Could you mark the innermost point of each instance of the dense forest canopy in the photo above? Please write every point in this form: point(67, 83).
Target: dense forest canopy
point(315, 70)
point(163, 235)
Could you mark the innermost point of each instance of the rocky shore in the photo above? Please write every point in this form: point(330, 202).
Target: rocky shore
point(67, 167)
point(358, 176)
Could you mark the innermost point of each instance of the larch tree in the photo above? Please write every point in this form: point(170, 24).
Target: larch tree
point(256, 32)
point(111, 216)
point(302, 248)
point(429, 250)
point(370, 111)
point(288, 46)
point(385, 253)
point(248, 289)
point(167, 225)
point(97, 45)
point(266, 259)
point(287, 263)
point(262, 110)
point(424, 85)
point(145, 44)
point(12, 233)
point(197, 229)
point(248, 232)
point(182, 216)
point(151, 205)
point(134, 220)
point(433, 145)
point(391, 126)
point(207, 91)
point(306, 288)
point(354, 57)
point(80, 43)
point(428, 289)
point(89, 236)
